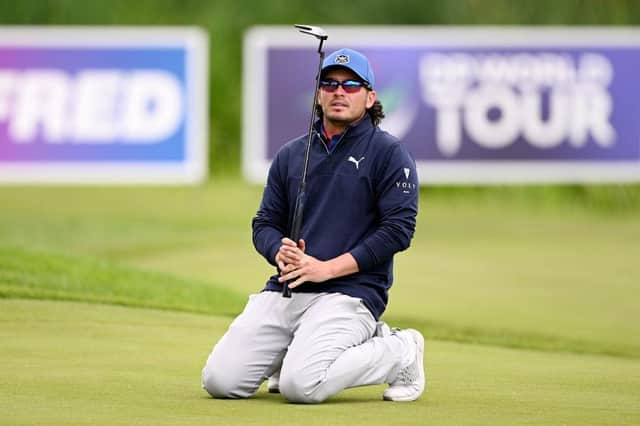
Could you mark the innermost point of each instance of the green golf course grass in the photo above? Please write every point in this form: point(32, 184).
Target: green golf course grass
point(77, 363)
point(528, 303)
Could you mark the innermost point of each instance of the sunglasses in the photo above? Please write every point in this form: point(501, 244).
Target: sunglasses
point(349, 86)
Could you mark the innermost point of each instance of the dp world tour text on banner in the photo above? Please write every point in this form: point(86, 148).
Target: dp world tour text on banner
point(474, 105)
point(98, 105)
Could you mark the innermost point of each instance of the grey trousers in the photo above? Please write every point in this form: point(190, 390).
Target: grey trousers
point(321, 342)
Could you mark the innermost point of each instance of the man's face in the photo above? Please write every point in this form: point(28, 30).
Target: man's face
point(339, 107)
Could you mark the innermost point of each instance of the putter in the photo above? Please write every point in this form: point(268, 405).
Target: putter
point(296, 225)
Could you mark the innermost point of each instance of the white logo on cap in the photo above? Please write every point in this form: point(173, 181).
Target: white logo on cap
point(406, 172)
point(342, 59)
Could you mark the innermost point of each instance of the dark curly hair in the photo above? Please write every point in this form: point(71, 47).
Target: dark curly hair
point(376, 112)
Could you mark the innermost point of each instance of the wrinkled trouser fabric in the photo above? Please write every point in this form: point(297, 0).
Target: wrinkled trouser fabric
point(323, 343)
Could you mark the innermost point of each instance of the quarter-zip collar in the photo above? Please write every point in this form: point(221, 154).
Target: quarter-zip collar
point(354, 130)
point(330, 141)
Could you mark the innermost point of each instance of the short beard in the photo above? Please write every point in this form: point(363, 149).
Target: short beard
point(343, 122)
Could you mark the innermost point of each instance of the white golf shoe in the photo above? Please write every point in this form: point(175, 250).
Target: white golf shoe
point(274, 383)
point(410, 381)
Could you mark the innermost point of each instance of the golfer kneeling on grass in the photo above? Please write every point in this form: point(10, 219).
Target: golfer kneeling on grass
point(361, 207)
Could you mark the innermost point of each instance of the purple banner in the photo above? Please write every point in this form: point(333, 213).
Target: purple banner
point(536, 107)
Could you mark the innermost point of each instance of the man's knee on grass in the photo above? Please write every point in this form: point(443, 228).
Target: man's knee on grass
point(220, 383)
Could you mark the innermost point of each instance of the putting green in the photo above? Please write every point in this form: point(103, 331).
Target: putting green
point(76, 363)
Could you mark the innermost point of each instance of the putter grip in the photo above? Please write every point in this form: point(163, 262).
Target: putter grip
point(295, 232)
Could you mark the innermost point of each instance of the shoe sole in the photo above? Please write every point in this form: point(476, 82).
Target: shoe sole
point(417, 337)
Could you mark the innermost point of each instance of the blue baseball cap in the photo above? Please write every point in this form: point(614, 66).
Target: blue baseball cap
point(352, 60)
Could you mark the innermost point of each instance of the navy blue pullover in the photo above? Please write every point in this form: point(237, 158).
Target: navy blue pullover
point(361, 198)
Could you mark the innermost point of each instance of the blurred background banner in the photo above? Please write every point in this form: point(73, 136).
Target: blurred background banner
point(475, 105)
point(103, 105)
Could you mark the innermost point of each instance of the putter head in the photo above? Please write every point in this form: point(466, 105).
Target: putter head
point(317, 32)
